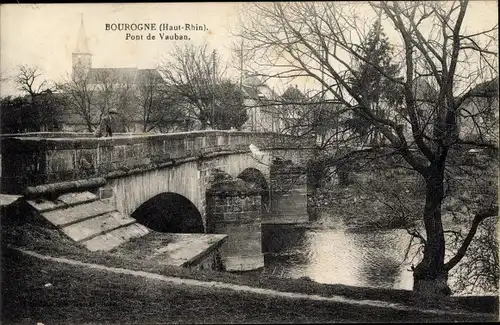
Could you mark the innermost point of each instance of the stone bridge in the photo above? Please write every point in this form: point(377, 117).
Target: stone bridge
point(204, 181)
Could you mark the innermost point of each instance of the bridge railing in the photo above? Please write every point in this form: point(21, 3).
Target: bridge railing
point(44, 158)
point(48, 135)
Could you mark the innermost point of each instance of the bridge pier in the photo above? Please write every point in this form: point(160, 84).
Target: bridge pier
point(234, 208)
point(288, 193)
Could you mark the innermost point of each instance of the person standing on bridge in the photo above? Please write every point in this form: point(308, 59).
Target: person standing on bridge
point(109, 124)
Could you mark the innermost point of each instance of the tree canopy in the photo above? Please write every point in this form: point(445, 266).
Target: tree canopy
point(424, 83)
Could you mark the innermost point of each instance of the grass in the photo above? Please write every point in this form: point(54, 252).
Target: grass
point(77, 295)
point(52, 242)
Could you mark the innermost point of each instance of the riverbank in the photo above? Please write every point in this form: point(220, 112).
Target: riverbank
point(371, 198)
point(385, 195)
point(54, 292)
point(241, 306)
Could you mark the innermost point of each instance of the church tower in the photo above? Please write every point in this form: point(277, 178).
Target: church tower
point(82, 58)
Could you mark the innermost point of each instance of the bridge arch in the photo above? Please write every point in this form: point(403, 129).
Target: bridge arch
point(170, 212)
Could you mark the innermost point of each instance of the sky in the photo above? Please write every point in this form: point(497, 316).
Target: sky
point(45, 35)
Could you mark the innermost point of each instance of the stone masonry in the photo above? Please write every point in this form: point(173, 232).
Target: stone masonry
point(234, 208)
point(288, 193)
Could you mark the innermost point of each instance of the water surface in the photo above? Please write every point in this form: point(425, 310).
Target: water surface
point(338, 255)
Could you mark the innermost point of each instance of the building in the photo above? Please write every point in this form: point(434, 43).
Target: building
point(479, 114)
point(260, 102)
point(477, 117)
point(92, 92)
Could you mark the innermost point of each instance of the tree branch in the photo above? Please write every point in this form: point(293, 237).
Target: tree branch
point(478, 218)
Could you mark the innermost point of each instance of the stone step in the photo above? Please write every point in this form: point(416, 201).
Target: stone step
point(89, 228)
point(43, 205)
point(69, 199)
point(8, 199)
point(186, 248)
point(116, 237)
point(73, 214)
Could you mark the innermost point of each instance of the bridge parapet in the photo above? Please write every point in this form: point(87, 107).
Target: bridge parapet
point(44, 158)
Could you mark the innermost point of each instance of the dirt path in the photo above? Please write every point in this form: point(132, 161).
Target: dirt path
point(241, 288)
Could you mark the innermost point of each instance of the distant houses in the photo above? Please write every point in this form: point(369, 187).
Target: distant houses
point(260, 101)
point(479, 117)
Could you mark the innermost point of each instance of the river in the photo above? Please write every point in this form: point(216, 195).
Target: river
point(335, 254)
point(338, 255)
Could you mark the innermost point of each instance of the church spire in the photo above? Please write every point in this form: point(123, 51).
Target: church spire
point(82, 58)
point(82, 45)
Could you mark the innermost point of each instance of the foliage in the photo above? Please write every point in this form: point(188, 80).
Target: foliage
point(370, 84)
point(229, 111)
point(17, 116)
point(303, 114)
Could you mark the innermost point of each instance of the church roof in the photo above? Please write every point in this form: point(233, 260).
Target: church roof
point(131, 75)
point(252, 81)
point(250, 92)
point(144, 75)
point(253, 87)
point(99, 75)
point(81, 44)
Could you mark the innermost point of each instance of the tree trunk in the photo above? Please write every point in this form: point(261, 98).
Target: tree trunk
point(317, 172)
point(430, 276)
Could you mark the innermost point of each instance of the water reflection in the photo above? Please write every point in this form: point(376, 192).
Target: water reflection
point(380, 262)
point(372, 259)
point(329, 252)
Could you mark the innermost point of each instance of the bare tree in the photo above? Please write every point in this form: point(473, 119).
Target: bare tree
point(114, 91)
point(480, 268)
point(29, 82)
point(303, 114)
point(196, 76)
point(92, 95)
point(80, 98)
point(41, 100)
point(191, 75)
point(321, 41)
point(158, 108)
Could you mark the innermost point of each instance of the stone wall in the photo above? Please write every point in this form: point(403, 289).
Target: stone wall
point(34, 159)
